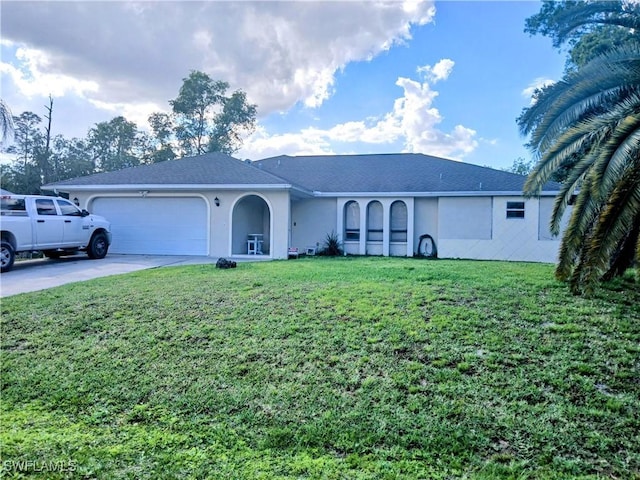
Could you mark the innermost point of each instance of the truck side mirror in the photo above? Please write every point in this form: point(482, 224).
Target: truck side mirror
point(85, 213)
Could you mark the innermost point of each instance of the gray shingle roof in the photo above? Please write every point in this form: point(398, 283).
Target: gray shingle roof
point(406, 172)
point(207, 169)
point(379, 173)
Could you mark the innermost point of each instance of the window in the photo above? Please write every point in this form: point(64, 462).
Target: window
point(45, 207)
point(69, 209)
point(351, 221)
point(13, 206)
point(515, 209)
point(374, 222)
point(398, 222)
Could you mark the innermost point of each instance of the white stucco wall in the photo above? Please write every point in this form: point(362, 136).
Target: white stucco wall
point(425, 219)
point(311, 221)
point(511, 238)
point(363, 247)
point(465, 218)
point(278, 203)
point(546, 209)
point(221, 217)
point(462, 227)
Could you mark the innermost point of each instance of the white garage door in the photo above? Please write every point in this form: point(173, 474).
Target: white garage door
point(155, 225)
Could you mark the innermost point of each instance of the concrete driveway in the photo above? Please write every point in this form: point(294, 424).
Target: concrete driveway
point(32, 275)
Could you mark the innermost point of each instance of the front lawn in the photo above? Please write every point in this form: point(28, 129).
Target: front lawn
point(349, 368)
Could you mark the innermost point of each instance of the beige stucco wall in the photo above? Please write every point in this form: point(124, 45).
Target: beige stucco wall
point(220, 221)
point(426, 219)
point(305, 222)
point(465, 218)
point(515, 239)
point(363, 247)
point(311, 221)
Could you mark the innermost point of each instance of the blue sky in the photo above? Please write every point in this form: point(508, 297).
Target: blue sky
point(328, 77)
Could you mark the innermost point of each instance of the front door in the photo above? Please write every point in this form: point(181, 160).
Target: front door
point(73, 222)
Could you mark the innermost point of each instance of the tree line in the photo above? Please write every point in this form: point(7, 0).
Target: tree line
point(204, 117)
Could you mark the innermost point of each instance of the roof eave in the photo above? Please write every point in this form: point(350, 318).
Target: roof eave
point(160, 186)
point(476, 193)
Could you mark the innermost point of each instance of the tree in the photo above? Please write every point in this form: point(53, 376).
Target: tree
point(194, 108)
point(20, 178)
point(114, 145)
point(593, 112)
point(43, 157)
point(160, 144)
point(584, 130)
point(589, 28)
point(598, 42)
point(25, 176)
point(28, 138)
point(71, 158)
point(521, 166)
point(236, 118)
point(206, 120)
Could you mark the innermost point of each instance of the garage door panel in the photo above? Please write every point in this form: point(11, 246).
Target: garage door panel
point(156, 225)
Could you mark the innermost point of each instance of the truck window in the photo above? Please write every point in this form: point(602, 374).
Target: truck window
point(69, 209)
point(14, 205)
point(45, 207)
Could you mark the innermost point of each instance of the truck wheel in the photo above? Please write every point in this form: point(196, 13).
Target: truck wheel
point(7, 256)
point(98, 246)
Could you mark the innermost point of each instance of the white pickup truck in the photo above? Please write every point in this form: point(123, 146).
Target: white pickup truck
point(51, 224)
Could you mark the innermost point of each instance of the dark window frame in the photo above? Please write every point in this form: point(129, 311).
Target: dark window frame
point(351, 232)
point(75, 211)
point(14, 206)
point(48, 208)
point(399, 235)
point(515, 210)
point(375, 216)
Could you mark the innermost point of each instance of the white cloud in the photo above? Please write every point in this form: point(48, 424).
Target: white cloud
point(413, 121)
point(37, 78)
point(262, 145)
point(280, 53)
point(129, 59)
point(134, 112)
point(440, 71)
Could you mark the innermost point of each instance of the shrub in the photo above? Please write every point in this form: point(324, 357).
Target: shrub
point(332, 246)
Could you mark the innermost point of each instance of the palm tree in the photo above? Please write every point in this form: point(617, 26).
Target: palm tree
point(589, 124)
point(6, 121)
point(589, 27)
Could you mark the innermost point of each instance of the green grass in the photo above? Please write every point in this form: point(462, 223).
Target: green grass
point(366, 368)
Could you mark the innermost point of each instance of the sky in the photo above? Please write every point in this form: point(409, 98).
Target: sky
point(445, 78)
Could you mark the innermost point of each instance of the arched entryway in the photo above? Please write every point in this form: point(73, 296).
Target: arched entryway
point(251, 227)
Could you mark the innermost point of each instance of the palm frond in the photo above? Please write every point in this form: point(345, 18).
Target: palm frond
point(637, 260)
point(605, 80)
point(585, 99)
point(616, 221)
point(625, 256)
point(617, 153)
point(566, 193)
point(6, 121)
point(583, 215)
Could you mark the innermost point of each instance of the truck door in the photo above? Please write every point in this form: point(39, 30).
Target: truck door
point(72, 217)
point(48, 225)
